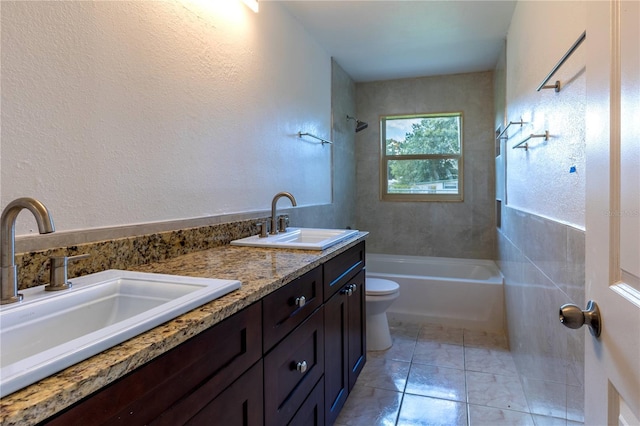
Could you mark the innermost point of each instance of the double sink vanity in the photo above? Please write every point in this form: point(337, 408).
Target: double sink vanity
point(256, 332)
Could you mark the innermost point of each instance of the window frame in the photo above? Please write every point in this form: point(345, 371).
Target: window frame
point(384, 161)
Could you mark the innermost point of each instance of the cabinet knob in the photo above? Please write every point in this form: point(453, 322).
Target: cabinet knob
point(301, 301)
point(301, 366)
point(349, 289)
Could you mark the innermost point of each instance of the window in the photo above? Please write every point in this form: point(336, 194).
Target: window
point(421, 157)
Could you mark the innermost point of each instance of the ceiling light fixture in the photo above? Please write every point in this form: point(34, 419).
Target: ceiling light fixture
point(252, 4)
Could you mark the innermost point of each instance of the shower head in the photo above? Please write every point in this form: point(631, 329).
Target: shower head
point(360, 125)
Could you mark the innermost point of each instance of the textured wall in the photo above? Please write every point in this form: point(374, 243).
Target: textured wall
point(117, 113)
point(338, 214)
point(541, 256)
point(452, 229)
point(539, 180)
point(341, 213)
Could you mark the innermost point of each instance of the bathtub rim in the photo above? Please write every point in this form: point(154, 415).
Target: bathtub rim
point(496, 275)
point(494, 287)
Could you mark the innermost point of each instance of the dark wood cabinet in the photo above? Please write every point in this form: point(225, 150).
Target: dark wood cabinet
point(357, 334)
point(336, 375)
point(240, 404)
point(292, 369)
point(284, 309)
point(311, 413)
point(177, 385)
point(345, 332)
point(339, 270)
point(290, 359)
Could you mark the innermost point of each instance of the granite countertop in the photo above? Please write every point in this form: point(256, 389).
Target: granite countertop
point(261, 271)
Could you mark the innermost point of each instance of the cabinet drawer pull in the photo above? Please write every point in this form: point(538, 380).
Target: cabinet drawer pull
point(349, 289)
point(300, 301)
point(301, 366)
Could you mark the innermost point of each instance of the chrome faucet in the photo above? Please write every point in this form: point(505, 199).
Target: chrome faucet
point(8, 268)
point(274, 220)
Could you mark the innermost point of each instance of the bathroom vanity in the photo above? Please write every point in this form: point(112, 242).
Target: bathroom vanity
point(284, 349)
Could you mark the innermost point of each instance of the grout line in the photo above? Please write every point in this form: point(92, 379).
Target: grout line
point(414, 341)
point(399, 408)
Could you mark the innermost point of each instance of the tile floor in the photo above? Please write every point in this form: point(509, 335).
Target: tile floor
point(433, 375)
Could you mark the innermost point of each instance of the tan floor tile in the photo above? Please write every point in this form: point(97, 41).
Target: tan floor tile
point(440, 354)
point(420, 410)
point(436, 382)
point(368, 406)
point(489, 416)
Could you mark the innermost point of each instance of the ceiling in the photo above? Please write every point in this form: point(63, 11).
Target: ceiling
point(385, 40)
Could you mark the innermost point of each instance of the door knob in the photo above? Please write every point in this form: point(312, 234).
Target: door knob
point(574, 317)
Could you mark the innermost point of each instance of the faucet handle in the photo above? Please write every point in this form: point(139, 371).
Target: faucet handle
point(283, 222)
point(58, 273)
point(262, 227)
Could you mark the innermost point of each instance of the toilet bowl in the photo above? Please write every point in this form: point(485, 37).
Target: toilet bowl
point(380, 295)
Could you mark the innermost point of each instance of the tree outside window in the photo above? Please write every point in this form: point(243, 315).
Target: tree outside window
point(421, 157)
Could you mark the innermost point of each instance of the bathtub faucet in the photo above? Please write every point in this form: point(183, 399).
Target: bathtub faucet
point(9, 270)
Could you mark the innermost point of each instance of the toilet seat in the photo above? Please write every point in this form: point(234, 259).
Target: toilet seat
point(381, 287)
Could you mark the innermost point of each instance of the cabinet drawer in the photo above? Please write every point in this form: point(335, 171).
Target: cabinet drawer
point(285, 387)
point(239, 405)
point(218, 356)
point(311, 413)
point(281, 311)
point(342, 268)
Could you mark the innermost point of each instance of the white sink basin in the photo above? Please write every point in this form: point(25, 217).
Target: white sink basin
point(299, 238)
point(49, 331)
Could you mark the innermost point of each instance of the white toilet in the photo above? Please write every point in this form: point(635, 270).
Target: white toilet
point(380, 295)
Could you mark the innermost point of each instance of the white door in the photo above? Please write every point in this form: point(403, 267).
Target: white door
point(612, 362)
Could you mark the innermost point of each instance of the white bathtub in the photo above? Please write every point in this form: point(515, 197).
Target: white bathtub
point(465, 293)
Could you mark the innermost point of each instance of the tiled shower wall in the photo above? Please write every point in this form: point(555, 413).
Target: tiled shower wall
point(445, 229)
point(543, 262)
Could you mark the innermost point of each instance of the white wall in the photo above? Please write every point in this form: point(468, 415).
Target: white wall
point(118, 113)
point(538, 180)
point(541, 248)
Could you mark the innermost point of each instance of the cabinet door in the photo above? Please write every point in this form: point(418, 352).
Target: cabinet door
point(357, 328)
point(239, 405)
point(336, 343)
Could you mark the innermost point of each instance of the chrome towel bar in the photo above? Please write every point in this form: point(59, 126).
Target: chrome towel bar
point(556, 86)
point(507, 126)
point(323, 141)
point(526, 145)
